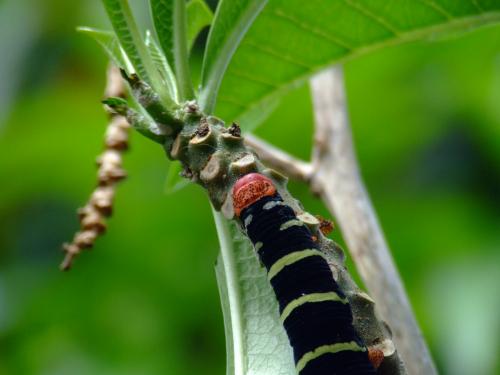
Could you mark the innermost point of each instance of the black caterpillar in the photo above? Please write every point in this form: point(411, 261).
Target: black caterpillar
point(315, 313)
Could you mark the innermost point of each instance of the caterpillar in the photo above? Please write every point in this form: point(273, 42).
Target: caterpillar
point(315, 313)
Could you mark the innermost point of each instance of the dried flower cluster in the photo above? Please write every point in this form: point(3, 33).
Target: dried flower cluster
point(92, 216)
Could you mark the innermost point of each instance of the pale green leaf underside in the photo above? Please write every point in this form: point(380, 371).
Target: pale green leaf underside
point(125, 28)
point(161, 63)
point(293, 39)
point(199, 16)
point(108, 41)
point(169, 17)
point(256, 340)
point(162, 12)
point(173, 180)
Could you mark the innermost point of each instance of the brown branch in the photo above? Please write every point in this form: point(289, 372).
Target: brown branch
point(334, 175)
point(92, 216)
point(337, 179)
point(279, 159)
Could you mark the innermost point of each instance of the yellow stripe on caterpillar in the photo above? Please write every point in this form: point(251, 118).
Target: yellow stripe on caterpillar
point(310, 298)
point(290, 259)
point(272, 204)
point(248, 220)
point(291, 223)
point(332, 348)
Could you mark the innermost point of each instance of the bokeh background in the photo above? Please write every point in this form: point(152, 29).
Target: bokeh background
point(426, 123)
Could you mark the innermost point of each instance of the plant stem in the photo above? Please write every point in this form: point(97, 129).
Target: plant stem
point(294, 168)
point(338, 181)
point(215, 157)
point(92, 216)
point(334, 175)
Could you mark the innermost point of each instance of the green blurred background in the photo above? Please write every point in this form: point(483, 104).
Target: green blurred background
point(426, 122)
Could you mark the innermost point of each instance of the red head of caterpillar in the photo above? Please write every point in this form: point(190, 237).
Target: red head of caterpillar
point(249, 189)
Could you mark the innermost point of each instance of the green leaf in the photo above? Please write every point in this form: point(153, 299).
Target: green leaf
point(162, 65)
point(291, 40)
point(131, 41)
point(257, 343)
point(199, 16)
point(169, 17)
point(173, 181)
point(255, 116)
point(231, 22)
point(109, 42)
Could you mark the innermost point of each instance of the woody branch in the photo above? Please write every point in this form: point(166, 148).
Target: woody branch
point(334, 175)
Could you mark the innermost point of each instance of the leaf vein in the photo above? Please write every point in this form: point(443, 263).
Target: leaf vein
point(279, 56)
point(370, 15)
point(437, 8)
point(404, 37)
point(314, 30)
point(255, 79)
point(226, 99)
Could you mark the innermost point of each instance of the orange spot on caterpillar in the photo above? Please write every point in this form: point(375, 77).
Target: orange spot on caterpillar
point(249, 189)
point(325, 226)
point(375, 356)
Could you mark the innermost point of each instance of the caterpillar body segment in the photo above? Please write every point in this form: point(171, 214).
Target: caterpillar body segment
point(315, 313)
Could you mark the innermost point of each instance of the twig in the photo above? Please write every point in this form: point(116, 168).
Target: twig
point(92, 215)
point(334, 175)
point(374, 333)
point(279, 159)
point(218, 168)
point(337, 179)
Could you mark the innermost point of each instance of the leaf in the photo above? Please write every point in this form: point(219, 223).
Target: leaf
point(162, 65)
point(257, 343)
point(255, 116)
point(291, 40)
point(173, 181)
point(169, 17)
point(130, 40)
point(109, 42)
point(199, 16)
point(231, 22)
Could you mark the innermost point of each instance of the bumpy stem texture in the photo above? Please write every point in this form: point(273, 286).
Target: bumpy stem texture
point(339, 183)
point(92, 216)
point(215, 156)
point(334, 175)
